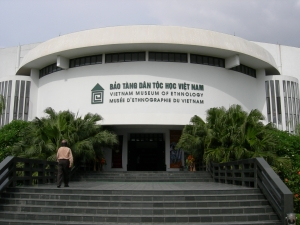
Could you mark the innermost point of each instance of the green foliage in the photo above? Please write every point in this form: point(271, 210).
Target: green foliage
point(292, 180)
point(238, 135)
point(194, 137)
point(288, 146)
point(230, 135)
point(84, 135)
point(9, 135)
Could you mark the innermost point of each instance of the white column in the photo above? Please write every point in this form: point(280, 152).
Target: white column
point(18, 58)
point(33, 97)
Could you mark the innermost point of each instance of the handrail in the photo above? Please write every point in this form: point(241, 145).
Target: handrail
point(16, 171)
point(257, 173)
point(6, 172)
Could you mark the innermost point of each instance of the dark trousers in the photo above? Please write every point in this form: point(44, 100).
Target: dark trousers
point(63, 171)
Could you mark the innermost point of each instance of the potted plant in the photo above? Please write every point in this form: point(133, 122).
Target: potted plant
point(190, 162)
point(102, 163)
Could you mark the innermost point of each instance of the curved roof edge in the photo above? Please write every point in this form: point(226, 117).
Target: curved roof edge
point(79, 43)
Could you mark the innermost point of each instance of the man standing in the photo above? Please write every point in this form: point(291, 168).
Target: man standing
point(65, 160)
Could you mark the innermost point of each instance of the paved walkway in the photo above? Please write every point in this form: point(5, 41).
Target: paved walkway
point(147, 186)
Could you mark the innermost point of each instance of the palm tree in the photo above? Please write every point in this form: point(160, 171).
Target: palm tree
point(230, 135)
point(194, 137)
point(241, 135)
point(85, 137)
point(218, 142)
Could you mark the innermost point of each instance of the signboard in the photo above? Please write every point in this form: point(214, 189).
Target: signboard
point(158, 92)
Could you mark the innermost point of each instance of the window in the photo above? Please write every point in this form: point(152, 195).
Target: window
point(8, 102)
point(268, 100)
point(125, 57)
point(50, 69)
point(273, 108)
point(168, 57)
point(16, 101)
point(278, 101)
point(21, 102)
point(207, 60)
point(5, 91)
point(85, 61)
point(145, 137)
point(245, 70)
point(27, 95)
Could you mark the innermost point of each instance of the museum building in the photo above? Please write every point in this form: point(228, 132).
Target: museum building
point(147, 82)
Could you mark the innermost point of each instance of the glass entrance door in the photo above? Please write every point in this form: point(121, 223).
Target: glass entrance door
point(117, 154)
point(146, 152)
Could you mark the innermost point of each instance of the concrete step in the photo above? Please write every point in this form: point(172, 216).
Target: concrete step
point(41, 222)
point(179, 176)
point(143, 203)
point(146, 197)
point(77, 189)
point(137, 210)
point(129, 218)
point(141, 179)
point(106, 203)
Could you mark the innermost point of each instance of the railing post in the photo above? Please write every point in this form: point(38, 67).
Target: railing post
point(255, 173)
point(52, 173)
point(41, 172)
point(286, 205)
point(212, 170)
point(209, 169)
point(225, 175)
point(14, 173)
point(243, 174)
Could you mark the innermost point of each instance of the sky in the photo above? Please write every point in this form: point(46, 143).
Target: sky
point(32, 21)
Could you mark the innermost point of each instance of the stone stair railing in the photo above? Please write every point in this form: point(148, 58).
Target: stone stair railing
point(257, 173)
point(16, 171)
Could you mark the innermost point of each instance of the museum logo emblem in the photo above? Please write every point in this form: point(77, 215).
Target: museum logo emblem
point(97, 94)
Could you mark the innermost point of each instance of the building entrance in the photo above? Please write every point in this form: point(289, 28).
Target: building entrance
point(146, 152)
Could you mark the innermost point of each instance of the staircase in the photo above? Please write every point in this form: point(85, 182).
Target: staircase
point(109, 198)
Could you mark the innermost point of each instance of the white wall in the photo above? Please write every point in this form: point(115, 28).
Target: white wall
point(290, 58)
point(71, 89)
point(287, 58)
point(8, 61)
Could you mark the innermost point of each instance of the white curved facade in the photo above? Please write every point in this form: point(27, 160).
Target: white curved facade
point(150, 80)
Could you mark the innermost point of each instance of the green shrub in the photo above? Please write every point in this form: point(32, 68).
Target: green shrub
point(292, 181)
point(289, 146)
point(9, 135)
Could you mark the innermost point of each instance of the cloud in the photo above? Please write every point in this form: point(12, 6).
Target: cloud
point(265, 21)
point(272, 21)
